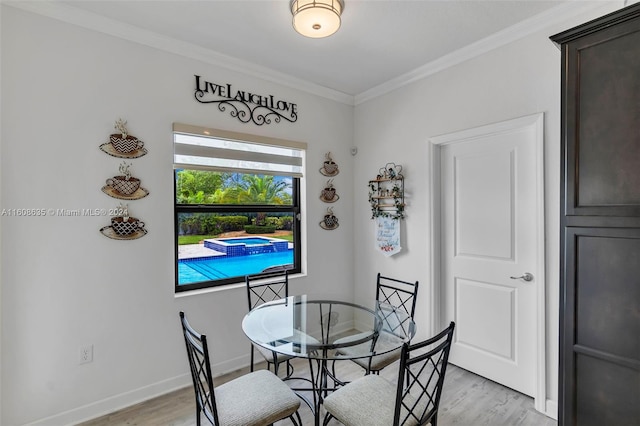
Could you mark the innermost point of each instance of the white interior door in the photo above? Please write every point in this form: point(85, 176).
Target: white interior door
point(491, 220)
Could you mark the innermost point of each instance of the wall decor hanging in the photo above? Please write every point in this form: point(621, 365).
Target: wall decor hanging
point(123, 144)
point(123, 226)
point(328, 194)
point(245, 106)
point(388, 235)
point(386, 193)
point(124, 186)
point(386, 196)
point(329, 167)
point(330, 221)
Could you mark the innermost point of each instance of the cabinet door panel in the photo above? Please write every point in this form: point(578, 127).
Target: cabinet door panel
point(605, 393)
point(600, 366)
point(603, 177)
point(607, 292)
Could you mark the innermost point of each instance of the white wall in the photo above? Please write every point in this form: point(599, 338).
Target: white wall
point(64, 284)
point(515, 80)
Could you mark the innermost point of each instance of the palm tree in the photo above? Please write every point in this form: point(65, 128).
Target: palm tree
point(262, 189)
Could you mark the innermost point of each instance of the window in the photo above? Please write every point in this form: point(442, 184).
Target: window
point(237, 206)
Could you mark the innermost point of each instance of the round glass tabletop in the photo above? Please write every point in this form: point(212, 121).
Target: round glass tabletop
point(324, 329)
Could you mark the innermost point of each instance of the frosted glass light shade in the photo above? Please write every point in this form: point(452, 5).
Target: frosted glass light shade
point(316, 18)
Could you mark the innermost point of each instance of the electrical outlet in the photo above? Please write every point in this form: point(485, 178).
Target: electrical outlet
point(85, 354)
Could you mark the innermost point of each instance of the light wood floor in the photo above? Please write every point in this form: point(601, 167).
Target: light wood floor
point(467, 399)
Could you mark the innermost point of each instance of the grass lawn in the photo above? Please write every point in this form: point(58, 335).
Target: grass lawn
point(193, 239)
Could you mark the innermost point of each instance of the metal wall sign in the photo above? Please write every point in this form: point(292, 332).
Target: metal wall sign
point(245, 106)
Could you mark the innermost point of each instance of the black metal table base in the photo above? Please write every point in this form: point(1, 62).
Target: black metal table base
point(320, 375)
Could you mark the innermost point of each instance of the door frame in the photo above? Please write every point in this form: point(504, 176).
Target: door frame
point(435, 146)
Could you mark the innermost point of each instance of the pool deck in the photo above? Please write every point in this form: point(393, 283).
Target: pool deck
point(191, 251)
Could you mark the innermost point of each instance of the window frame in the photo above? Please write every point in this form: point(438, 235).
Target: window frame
point(295, 208)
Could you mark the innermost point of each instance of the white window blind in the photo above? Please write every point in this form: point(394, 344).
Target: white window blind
point(217, 150)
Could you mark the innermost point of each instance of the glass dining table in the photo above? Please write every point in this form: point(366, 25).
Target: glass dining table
point(318, 330)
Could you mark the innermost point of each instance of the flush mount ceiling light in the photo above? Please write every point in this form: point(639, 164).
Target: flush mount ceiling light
point(316, 18)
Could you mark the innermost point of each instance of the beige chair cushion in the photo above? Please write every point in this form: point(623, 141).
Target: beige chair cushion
point(363, 349)
point(268, 355)
point(255, 399)
point(367, 401)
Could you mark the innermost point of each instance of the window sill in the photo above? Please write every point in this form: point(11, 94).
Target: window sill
point(208, 290)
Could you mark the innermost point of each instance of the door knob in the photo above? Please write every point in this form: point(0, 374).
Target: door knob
point(526, 276)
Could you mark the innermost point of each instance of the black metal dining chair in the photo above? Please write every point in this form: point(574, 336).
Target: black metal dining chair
point(402, 296)
point(413, 400)
point(256, 399)
point(263, 288)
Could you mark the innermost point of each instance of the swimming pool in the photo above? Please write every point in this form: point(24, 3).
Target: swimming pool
point(247, 241)
point(244, 246)
point(214, 268)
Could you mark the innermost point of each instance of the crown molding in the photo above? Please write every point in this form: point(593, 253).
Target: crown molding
point(88, 20)
point(539, 22)
point(92, 21)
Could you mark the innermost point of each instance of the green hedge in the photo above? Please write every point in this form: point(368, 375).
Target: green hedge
point(265, 229)
point(281, 222)
point(198, 224)
point(206, 224)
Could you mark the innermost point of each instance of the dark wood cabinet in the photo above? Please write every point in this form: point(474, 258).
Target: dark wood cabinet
point(600, 222)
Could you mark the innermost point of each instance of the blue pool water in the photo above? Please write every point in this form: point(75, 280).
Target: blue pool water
point(247, 241)
point(246, 246)
point(214, 268)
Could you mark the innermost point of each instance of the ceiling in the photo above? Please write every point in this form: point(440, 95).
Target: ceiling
point(378, 41)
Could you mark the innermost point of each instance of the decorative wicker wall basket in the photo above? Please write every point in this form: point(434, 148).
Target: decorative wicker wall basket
point(125, 145)
point(124, 186)
point(126, 227)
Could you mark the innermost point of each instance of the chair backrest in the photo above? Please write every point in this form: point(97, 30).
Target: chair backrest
point(198, 354)
point(421, 377)
point(402, 296)
point(265, 287)
point(398, 293)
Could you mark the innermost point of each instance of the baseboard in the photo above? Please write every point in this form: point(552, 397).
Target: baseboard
point(551, 409)
point(114, 403)
point(129, 398)
point(229, 366)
